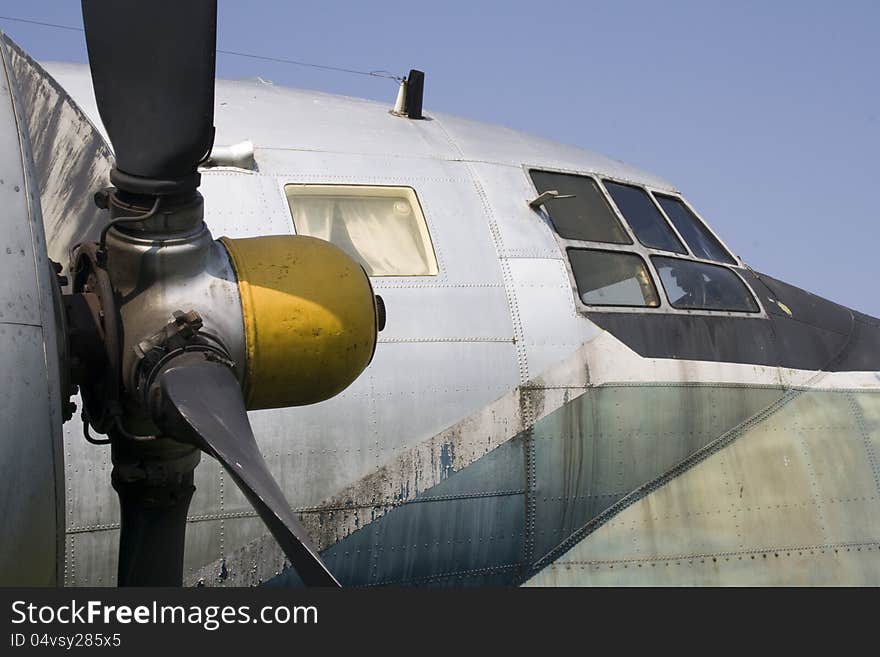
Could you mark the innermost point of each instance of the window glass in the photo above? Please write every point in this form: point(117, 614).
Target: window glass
point(703, 243)
point(700, 286)
point(611, 278)
point(383, 228)
point(644, 218)
point(587, 216)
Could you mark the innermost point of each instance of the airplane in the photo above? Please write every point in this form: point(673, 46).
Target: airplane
point(426, 351)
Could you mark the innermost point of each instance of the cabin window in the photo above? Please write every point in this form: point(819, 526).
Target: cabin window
point(383, 228)
point(612, 278)
point(694, 285)
point(587, 216)
point(702, 242)
point(644, 217)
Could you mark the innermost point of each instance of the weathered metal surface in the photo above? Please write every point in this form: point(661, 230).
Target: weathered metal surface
point(418, 470)
point(322, 123)
point(71, 159)
point(794, 499)
point(314, 466)
point(472, 522)
point(509, 508)
point(613, 439)
point(32, 484)
point(478, 354)
point(552, 330)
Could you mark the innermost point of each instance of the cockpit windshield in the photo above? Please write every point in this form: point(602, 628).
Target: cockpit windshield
point(612, 278)
point(644, 218)
point(585, 215)
point(597, 222)
point(702, 243)
point(691, 285)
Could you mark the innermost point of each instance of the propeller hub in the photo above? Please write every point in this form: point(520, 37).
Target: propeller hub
point(166, 263)
point(163, 218)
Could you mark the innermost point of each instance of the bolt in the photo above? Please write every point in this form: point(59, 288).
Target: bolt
point(187, 323)
point(102, 199)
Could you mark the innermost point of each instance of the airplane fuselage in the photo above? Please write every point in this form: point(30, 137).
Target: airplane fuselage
point(520, 421)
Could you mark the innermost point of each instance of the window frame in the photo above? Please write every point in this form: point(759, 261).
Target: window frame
point(638, 248)
point(749, 313)
point(418, 208)
point(677, 196)
point(627, 231)
point(639, 256)
point(663, 216)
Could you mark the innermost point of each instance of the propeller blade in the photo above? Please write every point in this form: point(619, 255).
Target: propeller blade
point(153, 533)
point(200, 400)
point(153, 72)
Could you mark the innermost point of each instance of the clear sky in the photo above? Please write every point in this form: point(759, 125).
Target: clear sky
point(765, 114)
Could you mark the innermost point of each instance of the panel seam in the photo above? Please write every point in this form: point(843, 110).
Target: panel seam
point(866, 438)
point(642, 491)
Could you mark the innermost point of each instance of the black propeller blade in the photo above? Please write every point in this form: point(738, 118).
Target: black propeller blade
point(153, 72)
point(152, 66)
point(200, 400)
point(152, 534)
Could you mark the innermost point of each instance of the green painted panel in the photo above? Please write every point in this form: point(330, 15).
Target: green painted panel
point(793, 499)
point(613, 439)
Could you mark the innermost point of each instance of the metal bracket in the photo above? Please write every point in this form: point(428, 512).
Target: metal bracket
point(549, 195)
point(181, 334)
point(174, 334)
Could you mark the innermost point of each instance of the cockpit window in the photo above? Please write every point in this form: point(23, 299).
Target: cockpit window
point(655, 234)
point(644, 218)
point(694, 285)
point(703, 243)
point(587, 216)
point(612, 278)
point(383, 228)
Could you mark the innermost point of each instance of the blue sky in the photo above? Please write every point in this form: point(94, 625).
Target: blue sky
point(765, 114)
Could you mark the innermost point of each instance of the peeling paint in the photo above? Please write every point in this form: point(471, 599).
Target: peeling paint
point(447, 460)
point(71, 158)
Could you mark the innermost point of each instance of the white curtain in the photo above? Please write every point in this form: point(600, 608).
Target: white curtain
point(382, 233)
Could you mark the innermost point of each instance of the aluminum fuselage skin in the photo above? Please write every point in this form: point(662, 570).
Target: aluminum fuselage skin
point(500, 434)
